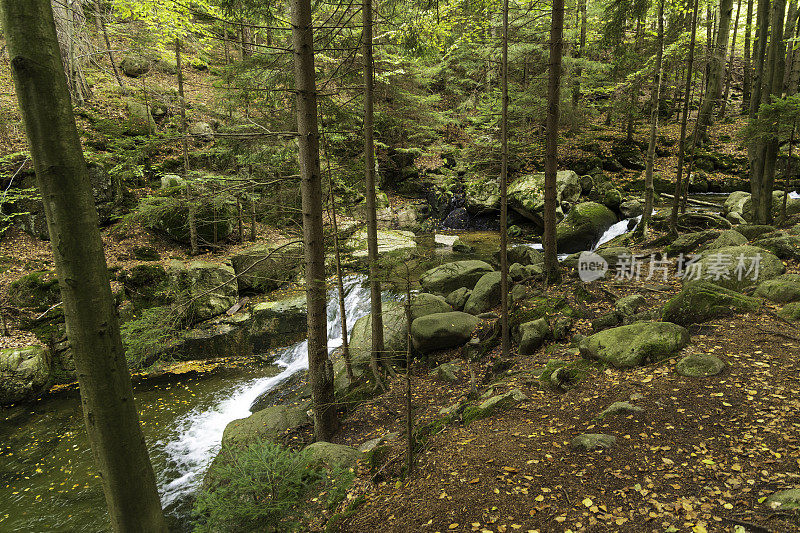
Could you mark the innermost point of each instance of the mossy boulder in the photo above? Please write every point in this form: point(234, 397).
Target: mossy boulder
point(689, 242)
point(532, 335)
point(583, 226)
point(754, 231)
point(25, 373)
point(135, 66)
point(593, 441)
point(424, 303)
point(485, 294)
point(268, 424)
point(482, 196)
point(204, 290)
point(790, 312)
point(395, 334)
point(440, 331)
point(492, 404)
point(264, 267)
point(629, 305)
point(388, 241)
point(628, 154)
point(699, 366)
point(526, 193)
point(278, 323)
point(37, 291)
point(785, 500)
point(170, 215)
point(332, 455)
point(635, 344)
point(729, 237)
point(448, 277)
point(779, 290)
point(620, 408)
point(445, 372)
point(458, 298)
point(736, 267)
point(147, 286)
point(784, 246)
point(700, 301)
point(140, 121)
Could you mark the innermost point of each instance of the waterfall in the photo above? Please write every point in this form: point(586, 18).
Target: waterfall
point(198, 434)
point(794, 195)
point(620, 228)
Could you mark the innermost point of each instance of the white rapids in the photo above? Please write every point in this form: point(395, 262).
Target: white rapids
point(795, 195)
point(198, 434)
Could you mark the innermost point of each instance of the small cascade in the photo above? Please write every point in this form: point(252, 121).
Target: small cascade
point(620, 228)
point(198, 435)
point(795, 195)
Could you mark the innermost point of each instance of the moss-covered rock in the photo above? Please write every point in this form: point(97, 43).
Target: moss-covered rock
point(482, 196)
point(445, 372)
point(278, 323)
point(699, 366)
point(424, 303)
point(790, 312)
point(170, 215)
point(635, 344)
point(388, 241)
point(593, 441)
point(37, 291)
point(264, 267)
point(204, 290)
point(736, 267)
point(458, 298)
point(440, 331)
point(332, 455)
point(395, 334)
point(140, 121)
point(25, 373)
point(147, 286)
point(700, 301)
point(729, 237)
point(779, 290)
point(532, 335)
point(526, 193)
point(689, 242)
point(485, 294)
point(583, 226)
point(448, 277)
point(753, 231)
point(268, 424)
point(134, 66)
point(785, 246)
point(492, 404)
point(785, 500)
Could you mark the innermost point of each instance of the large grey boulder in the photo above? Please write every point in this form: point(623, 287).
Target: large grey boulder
point(140, 121)
point(485, 294)
point(25, 373)
point(583, 226)
point(754, 231)
point(332, 455)
point(424, 303)
point(388, 241)
point(204, 290)
point(134, 66)
point(265, 267)
point(482, 196)
point(278, 323)
point(635, 344)
point(729, 237)
point(202, 131)
point(783, 246)
point(267, 424)
point(735, 267)
point(532, 335)
point(448, 277)
point(395, 334)
point(700, 301)
point(440, 331)
point(526, 193)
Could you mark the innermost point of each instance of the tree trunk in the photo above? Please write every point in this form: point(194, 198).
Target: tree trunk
point(505, 344)
point(112, 422)
point(551, 268)
point(788, 33)
point(576, 83)
point(182, 104)
point(687, 92)
point(651, 147)
point(729, 71)
point(748, 67)
point(715, 71)
point(320, 370)
point(101, 24)
point(377, 355)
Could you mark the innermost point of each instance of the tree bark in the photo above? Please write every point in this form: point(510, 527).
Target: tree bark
point(377, 357)
point(101, 24)
point(651, 147)
point(576, 83)
point(729, 70)
point(551, 267)
point(320, 370)
point(748, 67)
point(505, 344)
point(687, 92)
point(715, 71)
point(112, 422)
point(788, 33)
point(182, 105)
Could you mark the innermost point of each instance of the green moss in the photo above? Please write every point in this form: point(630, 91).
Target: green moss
point(576, 371)
point(37, 291)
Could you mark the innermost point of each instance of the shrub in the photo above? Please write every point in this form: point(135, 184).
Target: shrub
point(146, 336)
point(257, 488)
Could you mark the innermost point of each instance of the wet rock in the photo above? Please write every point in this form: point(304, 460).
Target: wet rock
point(220, 337)
point(440, 331)
point(593, 441)
point(25, 374)
point(457, 219)
point(700, 301)
point(699, 366)
point(278, 323)
point(635, 344)
point(631, 208)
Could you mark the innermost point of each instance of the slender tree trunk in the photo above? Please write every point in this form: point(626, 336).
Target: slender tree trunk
point(505, 336)
point(715, 71)
point(793, 70)
point(192, 222)
point(320, 370)
point(788, 33)
point(377, 355)
point(729, 71)
point(112, 422)
point(101, 25)
point(576, 83)
point(748, 67)
point(651, 147)
point(409, 406)
point(551, 267)
point(182, 104)
point(787, 175)
point(673, 219)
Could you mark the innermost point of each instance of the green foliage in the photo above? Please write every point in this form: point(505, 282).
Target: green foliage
point(261, 487)
point(775, 121)
point(146, 336)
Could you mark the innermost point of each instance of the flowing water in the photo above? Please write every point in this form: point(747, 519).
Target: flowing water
point(47, 477)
